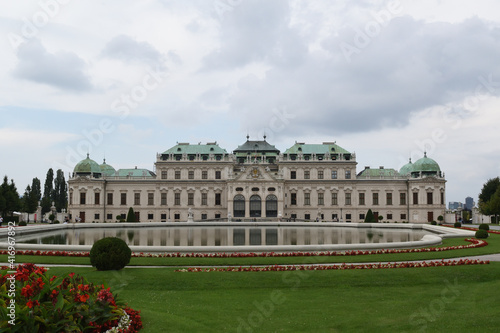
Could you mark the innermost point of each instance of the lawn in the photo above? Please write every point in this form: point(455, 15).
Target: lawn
point(438, 299)
point(435, 299)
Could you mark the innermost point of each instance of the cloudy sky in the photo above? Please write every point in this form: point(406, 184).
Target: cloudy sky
point(125, 80)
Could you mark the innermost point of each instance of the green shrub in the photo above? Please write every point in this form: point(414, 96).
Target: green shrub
point(481, 233)
point(433, 222)
point(22, 224)
point(110, 253)
point(484, 226)
point(370, 218)
point(131, 215)
point(457, 225)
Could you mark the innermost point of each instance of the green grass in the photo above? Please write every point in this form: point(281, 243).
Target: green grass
point(438, 299)
point(493, 247)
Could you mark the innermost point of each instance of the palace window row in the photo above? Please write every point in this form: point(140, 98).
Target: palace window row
point(191, 174)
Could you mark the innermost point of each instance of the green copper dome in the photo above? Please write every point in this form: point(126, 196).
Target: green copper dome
point(426, 165)
point(106, 169)
point(87, 167)
point(406, 169)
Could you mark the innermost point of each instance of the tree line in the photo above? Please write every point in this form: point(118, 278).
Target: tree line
point(55, 190)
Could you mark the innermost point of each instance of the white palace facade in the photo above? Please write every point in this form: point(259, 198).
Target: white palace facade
point(257, 182)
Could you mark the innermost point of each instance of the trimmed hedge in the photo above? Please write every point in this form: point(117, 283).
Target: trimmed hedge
point(110, 253)
point(481, 233)
point(457, 225)
point(484, 226)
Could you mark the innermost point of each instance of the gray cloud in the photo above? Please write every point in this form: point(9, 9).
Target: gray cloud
point(409, 66)
point(256, 31)
point(63, 70)
point(127, 49)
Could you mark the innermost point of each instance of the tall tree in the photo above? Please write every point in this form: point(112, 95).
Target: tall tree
point(48, 191)
point(489, 196)
point(9, 197)
point(32, 195)
point(60, 191)
point(489, 188)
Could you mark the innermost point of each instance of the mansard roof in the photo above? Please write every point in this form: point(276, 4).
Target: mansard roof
point(378, 173)
point(193, 149)
point(261, 146)
point(324, 148)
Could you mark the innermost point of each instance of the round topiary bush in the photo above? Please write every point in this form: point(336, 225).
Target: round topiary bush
point(433, 222)
point(484, 226)
point(22, 224)
point(110, 253)
point(457, 225)
point(481, 233)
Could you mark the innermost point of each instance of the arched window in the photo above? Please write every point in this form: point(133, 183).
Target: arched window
point(271, 206)
point(255, 206)
point(239, 206)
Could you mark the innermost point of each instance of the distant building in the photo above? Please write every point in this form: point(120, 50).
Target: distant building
point(469, 203)
point(454, 205)
point(257, 182)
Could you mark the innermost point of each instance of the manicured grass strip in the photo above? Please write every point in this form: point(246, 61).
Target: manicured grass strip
point(434, 299)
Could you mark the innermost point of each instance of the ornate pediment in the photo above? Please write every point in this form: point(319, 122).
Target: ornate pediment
point(255, 173)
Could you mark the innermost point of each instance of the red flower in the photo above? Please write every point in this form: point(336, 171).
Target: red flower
point(32, 303)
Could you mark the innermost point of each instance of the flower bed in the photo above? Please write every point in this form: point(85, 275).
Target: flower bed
point(474, 243)
point(279, 268)
point(61, 304)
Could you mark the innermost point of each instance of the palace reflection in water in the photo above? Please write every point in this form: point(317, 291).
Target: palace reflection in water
point(227, 236)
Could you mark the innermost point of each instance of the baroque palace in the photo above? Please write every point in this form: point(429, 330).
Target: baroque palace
point(257, 182)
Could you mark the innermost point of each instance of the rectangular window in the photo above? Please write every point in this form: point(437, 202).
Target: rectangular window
point(177, 174)
point(348, 174)
point(82, 198)
point(217, 199)
point(293, 199)
point(307, 174)
point(137, 199)
point(415, 198)
point(218, 175)
point(164, 174)
point(71, 198)
point(97, 198)
point(389, 216)
point(164, 199)
point(335, 217)
point(123, 198)
point(203, 216)
point(442, 198)
point(321, 199)
point(320, 174)
point(375, 198)
point(307, 216)
point(307, 199)
point(293, 174)
point(362, 217)
point(402, 198)
point(335, 200)
point(388, 198)
point(150, 216)
point(191, 174)
point(177, 199)
point(348, 198)
point(96, 216)
point(361, 199)
point(334, 174)
point(110, 199)
point(429, 198)
point(109, 216)
point(348, 217)
point(163, 217)
point(151, 199)
point(403, 217)
point(204, 174)
point(203, 199)
point(177, 217)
